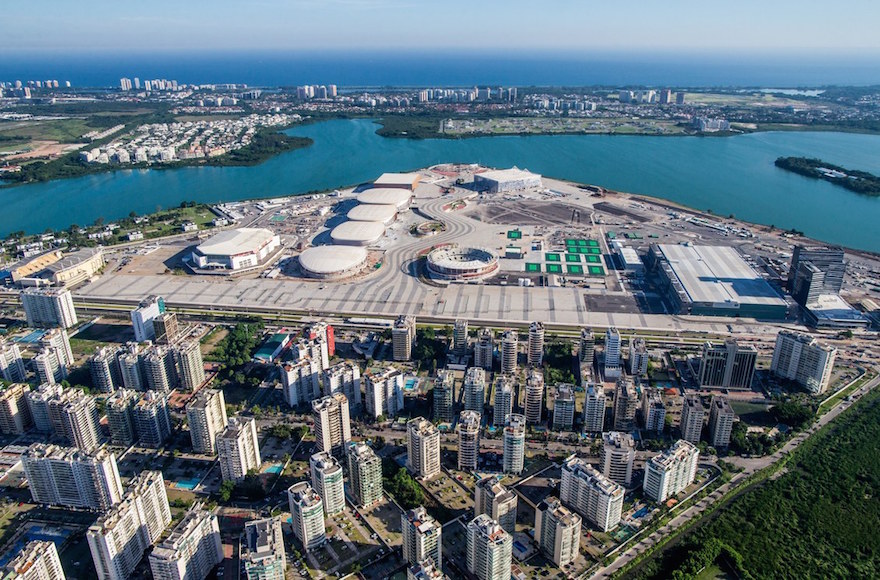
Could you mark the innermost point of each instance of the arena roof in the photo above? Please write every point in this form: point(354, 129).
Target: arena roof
point(397, 180)
point(325, 260)
point(399, 198)
point(718, 275)
point(369, 212)
point(512, 174)
point(361, 233)
point(234, 242)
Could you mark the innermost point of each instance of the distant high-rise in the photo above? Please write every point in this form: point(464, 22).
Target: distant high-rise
point(423, 447)
point(460, 337)
point(626, 401)
point(191, 550)
point(586, 352)
point(618, 454)
point(15, 415)
point(612, 354)
point(638, 357)
point(332, 425)
point(190, 365)
point(327, 481)
point(514, 439)
point(48, 307)
point(262, 551)
point(815, 271)
point(206, 415)
point(692, 415)
point(120, 416)
point(557, 532)
point(238, 448)
point(70, 477)
point(444, 386)
point(484, 350)
point(474, 389)
point(801, 358)
point(422, 536)
point(669, 472)
point(594, 409)
point(497, 502)
point(468, 440)
point(37, 560)
point(727, 366)
point(152, 420)
point(307, 514)
point(535, 355)
point(345, 378)
point(534, 404)
point(505, 391)
point(384, 392)
point(591, 494)
point(509, 349)
point(364, 475)
point(104, 370)
point(653, 410)
point(403, 337)
point(563, 407)
point(142, 317)
point(12, 367)
point(721, 418)
point(166, 328)
point(489, 549)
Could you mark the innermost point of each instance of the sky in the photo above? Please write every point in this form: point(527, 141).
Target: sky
point(574, 26)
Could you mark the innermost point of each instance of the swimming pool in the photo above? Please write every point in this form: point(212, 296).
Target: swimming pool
point(32, 337)
point(275, 469)
point(188, 484)
point(47, 534)
point(410, 384)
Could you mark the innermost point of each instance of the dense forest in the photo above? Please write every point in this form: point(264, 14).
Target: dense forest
point(858, 181)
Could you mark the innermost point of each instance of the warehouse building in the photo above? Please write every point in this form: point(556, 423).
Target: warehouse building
point(236, 249)
point(507, 180)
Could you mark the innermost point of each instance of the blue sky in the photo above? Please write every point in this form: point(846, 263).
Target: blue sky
point(844, 26)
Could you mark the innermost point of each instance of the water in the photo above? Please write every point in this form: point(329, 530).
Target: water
point(729, 175)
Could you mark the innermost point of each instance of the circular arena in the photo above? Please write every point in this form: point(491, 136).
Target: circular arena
point(461, 263)
point(332, 262)
point(399, 198)
point(357, 233)
point(385, 214)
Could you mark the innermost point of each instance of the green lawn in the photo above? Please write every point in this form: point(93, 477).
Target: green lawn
point(62, 130)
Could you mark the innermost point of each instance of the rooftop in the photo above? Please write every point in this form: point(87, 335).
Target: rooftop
point(232, 242)
point(332, 259)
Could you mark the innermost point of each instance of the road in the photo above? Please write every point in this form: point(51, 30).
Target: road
point(697, 509)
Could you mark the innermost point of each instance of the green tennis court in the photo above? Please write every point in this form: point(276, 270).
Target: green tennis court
point(593, 243)
point(593, 259)
point(575, 258)
point(553, 268)
point(533, 267)
point(552, 257)
point(514, 235)
point(596, 270)
point(575, 269)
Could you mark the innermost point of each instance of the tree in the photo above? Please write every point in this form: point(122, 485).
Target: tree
point(378, 442)
point(226, 489)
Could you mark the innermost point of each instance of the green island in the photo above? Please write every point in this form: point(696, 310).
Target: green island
point(815, 518)
point(858, 181)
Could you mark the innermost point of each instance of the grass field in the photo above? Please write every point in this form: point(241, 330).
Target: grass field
point(62, 130)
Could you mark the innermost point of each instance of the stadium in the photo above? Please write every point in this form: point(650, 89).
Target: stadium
point(457, 263)
point(385, 214)
point(236, 250)
point(505, 180)
point(357, 233)
point(332, 262)
point(399, 198)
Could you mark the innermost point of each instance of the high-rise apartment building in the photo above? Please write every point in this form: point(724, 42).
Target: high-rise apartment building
point(345, 378)
point(653, 410)
point(514, 437)
point(563, 407)
point(474, 389)
point(444, 386)
point(38, 404)
point(626, 401)
point(364, 475)
point(484, 350)
point(104, 370)
point(612, 354)
point(721, 418)
point(460, 337)
point(120, 416)
point(534, 404)
point(129, 360)
point(727, 366)
point(384, 392)
point(692, 416)
point(159, 368)
point(75, 416)
point(422, 537)
point(587, 347)
point(423, 447)
point(15, 415)
point(262, 552)
point(48, 367)
point(557, 532)
point(206, 416)
point(238, 448)
point(152, 420)
point(71, 477)
point(468, 440)
point(37, 560)
point(142, 317)
point(190, 366)
point(300, 381)
point(497, 502)
point(535, 355)
point(589, 493)
point(594, 409)
point(48, 307)
point(425, 570)
point(307, 514)
point(403, 337)
point(12, 367)
point(327, 481)
point(332, 424)
point(57, 340)
point(618, 454)
point(669, 472)
point(489, 549)
point(638, 357)
point(192, 549)
point(801, 358)
point(508, 351)
point(505, 391)
point(165, 328)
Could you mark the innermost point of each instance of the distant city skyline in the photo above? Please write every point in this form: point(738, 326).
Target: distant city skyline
point(751, 26)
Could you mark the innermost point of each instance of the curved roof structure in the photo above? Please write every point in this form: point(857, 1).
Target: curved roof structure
point(233, 242)
point(322, 261)
point(386, 196)
point(373, 213)
point(357, 233)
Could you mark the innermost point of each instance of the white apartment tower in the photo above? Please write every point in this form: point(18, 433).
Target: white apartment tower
point(557, 531)
point(638, 357)
point(460, 337)
point(423, 447)
point(587, 347)
point(505, 390)
point(563, 407)
point(332, 424)
point(444, 387)
point(384, 392)
point(345, 378)
point(618, 454)
point(535, 357)
point(364, 475)
point(38, 402)
point(38, 560)
point(497, 502)
point(468, 440)
point(534, 404)
point(104, 370)
point(327, 481)
point(78, 419)
point(142, 317)
point(669, 472)
point(721, 418)
point(653, 410)
point(484, 350)
point(514, 444)
point(152, 420)
point(307, 514)
point(594, 408)
point(509, 350)
point(422, 537)
point(489, 549)
point(301, 381)
point(238, 448)
point(48, 307)
point(120, 416)
point(403, 337)
point(70, 477)
point(800, 358)
point(592, 495)
point(15, 415)
point(612, 354)
point(12, 367)
point(263, 552)
point(206, 415)
point(692, 415)
point(192, 549)
point(474, 389)
point(191, 367)
point(626, 401)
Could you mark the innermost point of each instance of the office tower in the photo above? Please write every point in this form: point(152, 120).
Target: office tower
point(612, 354)
point(263, 553)
point(48, 307)
point(534, 404)
point(104, 370)
point(727, 366)
point(307, 514)
point(191, 367)
point(152, 420)
point(364, 475)
point(509, 348)
point(514, 443)
point(129, 360)
point(425, 570)
point(345, 378)
point(165, 328)
point(626, 401)
point(422, 536)
point(800, 358)
point(403, 337)
point(468, 440)
point(206, 415)
point(332, 424)
point(489, 549)
point(192, 549)
point(497, 502)
point(692, 414)
point(158, 368)
point(505, 391)
point(557, 531)
point(12, 367)
point(815, 271)
point(300, 381)
point(48, 367)
point(653, 410)
point(444, 386)
point(71, 477)
point(422, 447)
point(589, 493)
point(484, 350)
point(384, 392)
point(721, 417)
point(587, 347)
point(669, 472)
point(618, 454)
point(325, 332)
point(638, 357)
point(37, 560)
point(238, 448)
point(327, 481)
point(474, 389)
point(563, 407)
point(120, 417)
point(594, 409)
point(535, 356)
point(142, 317)
point(460, 337)
point(78, 419)
point(15, 415)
